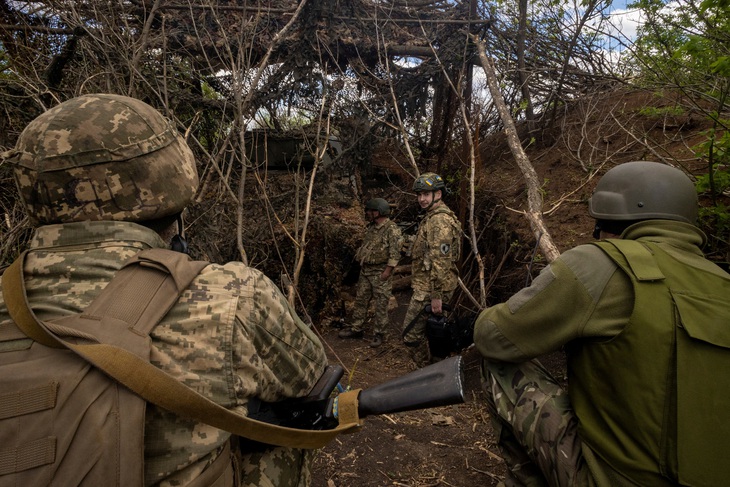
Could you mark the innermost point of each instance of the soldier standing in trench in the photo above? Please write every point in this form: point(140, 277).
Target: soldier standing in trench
point(435, 251)
point(378, 255)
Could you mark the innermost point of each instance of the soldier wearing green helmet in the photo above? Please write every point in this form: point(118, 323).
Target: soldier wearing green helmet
point(378, 255)
point(379, 205)
point(104, 177)
point(644, 319)
point(435, 250)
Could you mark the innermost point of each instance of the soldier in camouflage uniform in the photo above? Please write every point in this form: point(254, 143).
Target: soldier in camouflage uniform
point(105, 176)
point(435, 252)
point(645, 320)
point(378, 255)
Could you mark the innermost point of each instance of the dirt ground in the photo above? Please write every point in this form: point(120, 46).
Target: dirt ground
point(449, 446)
point(444, 446)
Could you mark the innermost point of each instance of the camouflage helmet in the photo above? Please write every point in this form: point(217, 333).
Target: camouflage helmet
point(102, 157)
point(428, 182)
point(643, 190)
point(379, 205)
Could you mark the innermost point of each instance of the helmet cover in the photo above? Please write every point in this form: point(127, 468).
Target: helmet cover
point(102, 157)
point(428, 182)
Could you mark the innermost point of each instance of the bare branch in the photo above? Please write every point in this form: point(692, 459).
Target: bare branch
point(534, 198)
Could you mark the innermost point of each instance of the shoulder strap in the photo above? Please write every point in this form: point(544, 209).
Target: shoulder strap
point(136, 373)
point(410, 325)
point(638, 256)
point(446, 211)
point(442, 209)
point(145, 289)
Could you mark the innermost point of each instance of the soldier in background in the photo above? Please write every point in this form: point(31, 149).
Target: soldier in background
point(378, 255)
point(104, 177)
point(435, 252)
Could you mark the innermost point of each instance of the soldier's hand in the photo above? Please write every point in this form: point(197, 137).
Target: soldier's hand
point(436, 306)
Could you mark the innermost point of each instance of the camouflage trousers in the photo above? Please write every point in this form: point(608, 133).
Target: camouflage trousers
point(535, 426)
point(277, 467)
point(371, 287)
point(416, 339)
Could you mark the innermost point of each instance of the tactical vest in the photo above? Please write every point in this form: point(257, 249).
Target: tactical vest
point(62, 420)
point(663, 416)
point(375, 248)
point(73, 390)
point(419, 245)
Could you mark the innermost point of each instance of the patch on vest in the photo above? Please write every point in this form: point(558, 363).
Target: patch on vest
point(445, 248)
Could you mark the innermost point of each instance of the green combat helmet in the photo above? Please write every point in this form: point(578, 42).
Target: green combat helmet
point(642, 190)
point(428, 182)
point(379, 205)
point(102, 157)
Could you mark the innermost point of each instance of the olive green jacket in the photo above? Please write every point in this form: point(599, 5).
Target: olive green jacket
point(585, 301)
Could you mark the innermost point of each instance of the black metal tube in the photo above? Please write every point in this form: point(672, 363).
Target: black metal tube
point(439, 384)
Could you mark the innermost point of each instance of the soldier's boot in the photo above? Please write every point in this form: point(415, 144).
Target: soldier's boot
point(350, 333)
point(377, 340)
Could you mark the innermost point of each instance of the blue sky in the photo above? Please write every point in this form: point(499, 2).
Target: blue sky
point(625, 21)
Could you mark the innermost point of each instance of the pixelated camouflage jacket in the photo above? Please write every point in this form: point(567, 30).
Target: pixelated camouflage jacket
point(381, 244)
point(436, 251)
point(231, 336)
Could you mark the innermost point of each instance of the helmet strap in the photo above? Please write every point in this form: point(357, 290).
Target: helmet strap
point(178, 242)
point(434, 200)
point(597, 231)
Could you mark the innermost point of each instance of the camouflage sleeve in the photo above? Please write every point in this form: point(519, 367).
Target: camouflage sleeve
point(395, 242)
point(286, 360)
point(440, 255)
point(276, 355)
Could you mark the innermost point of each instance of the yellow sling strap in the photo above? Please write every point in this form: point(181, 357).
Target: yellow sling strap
point(154, 385)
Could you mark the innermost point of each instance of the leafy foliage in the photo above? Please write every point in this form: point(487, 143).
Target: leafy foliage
point(686, 45)
point(716, 183)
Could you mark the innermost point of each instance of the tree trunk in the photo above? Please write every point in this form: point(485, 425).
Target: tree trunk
point(534, 196)
point(522, 68)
